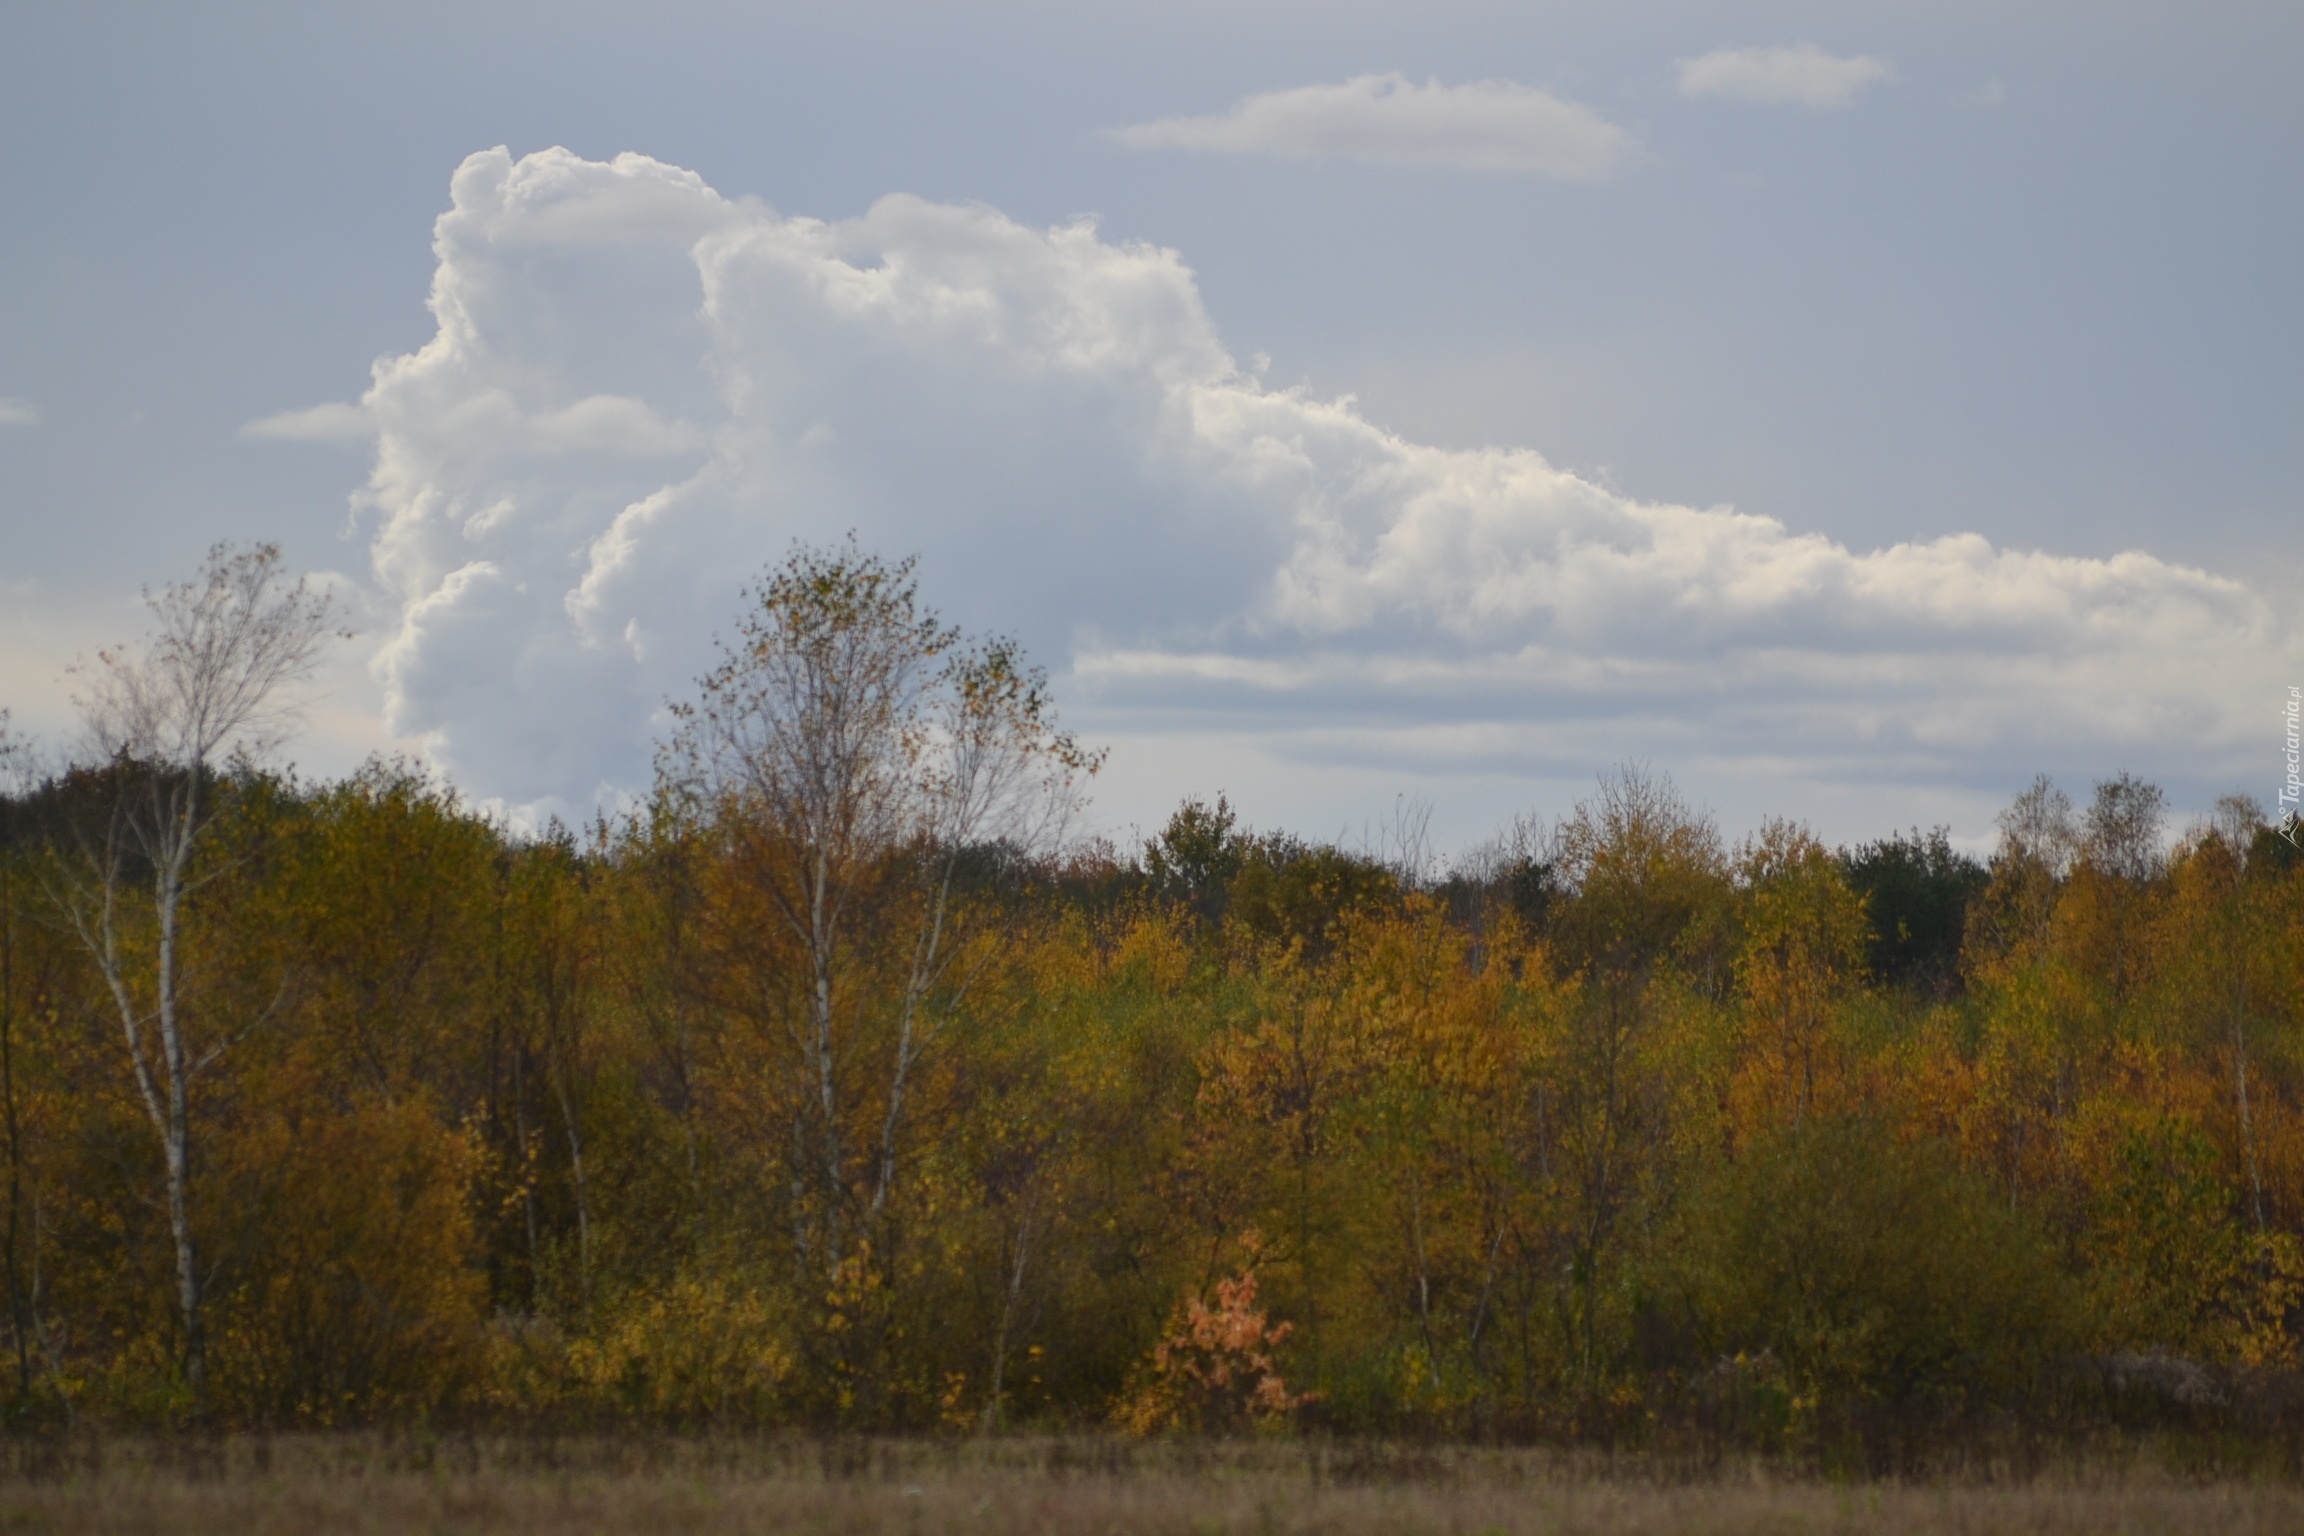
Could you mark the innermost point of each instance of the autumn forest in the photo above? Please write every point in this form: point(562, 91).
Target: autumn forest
point(838, 1083)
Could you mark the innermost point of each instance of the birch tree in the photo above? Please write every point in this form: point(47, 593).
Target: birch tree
point(854, 748)
point(217, 677)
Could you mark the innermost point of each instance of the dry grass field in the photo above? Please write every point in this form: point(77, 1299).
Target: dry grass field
point(371, 1486)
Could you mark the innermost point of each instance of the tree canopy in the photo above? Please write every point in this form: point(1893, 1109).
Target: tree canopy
point(835, 1086)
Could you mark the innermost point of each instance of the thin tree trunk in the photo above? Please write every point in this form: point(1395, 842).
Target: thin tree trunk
point(177, 1133)
point(1423, 1274)
point(564, 1035)
point(820, 941)
point(167, 1095)
point(683, 1026)
point(1020, 1252)
point(19, 1303)
point(801, 1257)
point(915, 991)
point(50, 1355)
point(2240, 1095)
point(569, 1124)
point(527, 1160)
point(2015, 1164)
point(1476, 1336)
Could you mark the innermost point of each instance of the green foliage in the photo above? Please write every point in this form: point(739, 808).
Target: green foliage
point(2169, 1267)
point(2276, 854)
point(1870, 1266)
point(1288, 891)
point(1196, 856)
point(1917, 888)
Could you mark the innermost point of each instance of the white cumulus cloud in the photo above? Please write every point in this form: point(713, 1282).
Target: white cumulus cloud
point(18, 413)
point(641, 392)
point(1495, 125)
point(1801, 76)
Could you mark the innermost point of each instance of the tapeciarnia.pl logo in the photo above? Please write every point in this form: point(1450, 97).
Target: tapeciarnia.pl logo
point(2292, 792)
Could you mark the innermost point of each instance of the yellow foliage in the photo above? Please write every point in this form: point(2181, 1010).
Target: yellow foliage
point(362, 1302)
point(577, 1127)
point(701, 1348)
point(1153, 945)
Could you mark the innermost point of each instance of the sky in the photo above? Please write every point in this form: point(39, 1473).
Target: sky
point(1851, 410)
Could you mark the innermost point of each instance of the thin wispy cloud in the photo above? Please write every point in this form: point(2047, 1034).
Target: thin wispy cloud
point(1494, 126)
point(18, 413)
point(332, 423)
point(1802, 76)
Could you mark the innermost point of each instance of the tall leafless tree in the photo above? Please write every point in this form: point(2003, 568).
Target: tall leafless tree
point(846, 733)
point(218, 675)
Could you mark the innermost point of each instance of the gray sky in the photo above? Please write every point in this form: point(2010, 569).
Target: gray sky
point(1885, 274)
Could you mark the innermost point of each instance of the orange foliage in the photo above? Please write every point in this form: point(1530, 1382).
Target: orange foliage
point(1213, 1369)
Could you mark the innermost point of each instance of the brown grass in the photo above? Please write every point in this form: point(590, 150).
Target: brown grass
point(377, 1486)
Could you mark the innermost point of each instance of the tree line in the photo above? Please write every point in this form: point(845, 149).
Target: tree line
point(836, 1085)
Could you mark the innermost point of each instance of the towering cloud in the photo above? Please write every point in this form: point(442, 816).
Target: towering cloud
point(641, 392)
